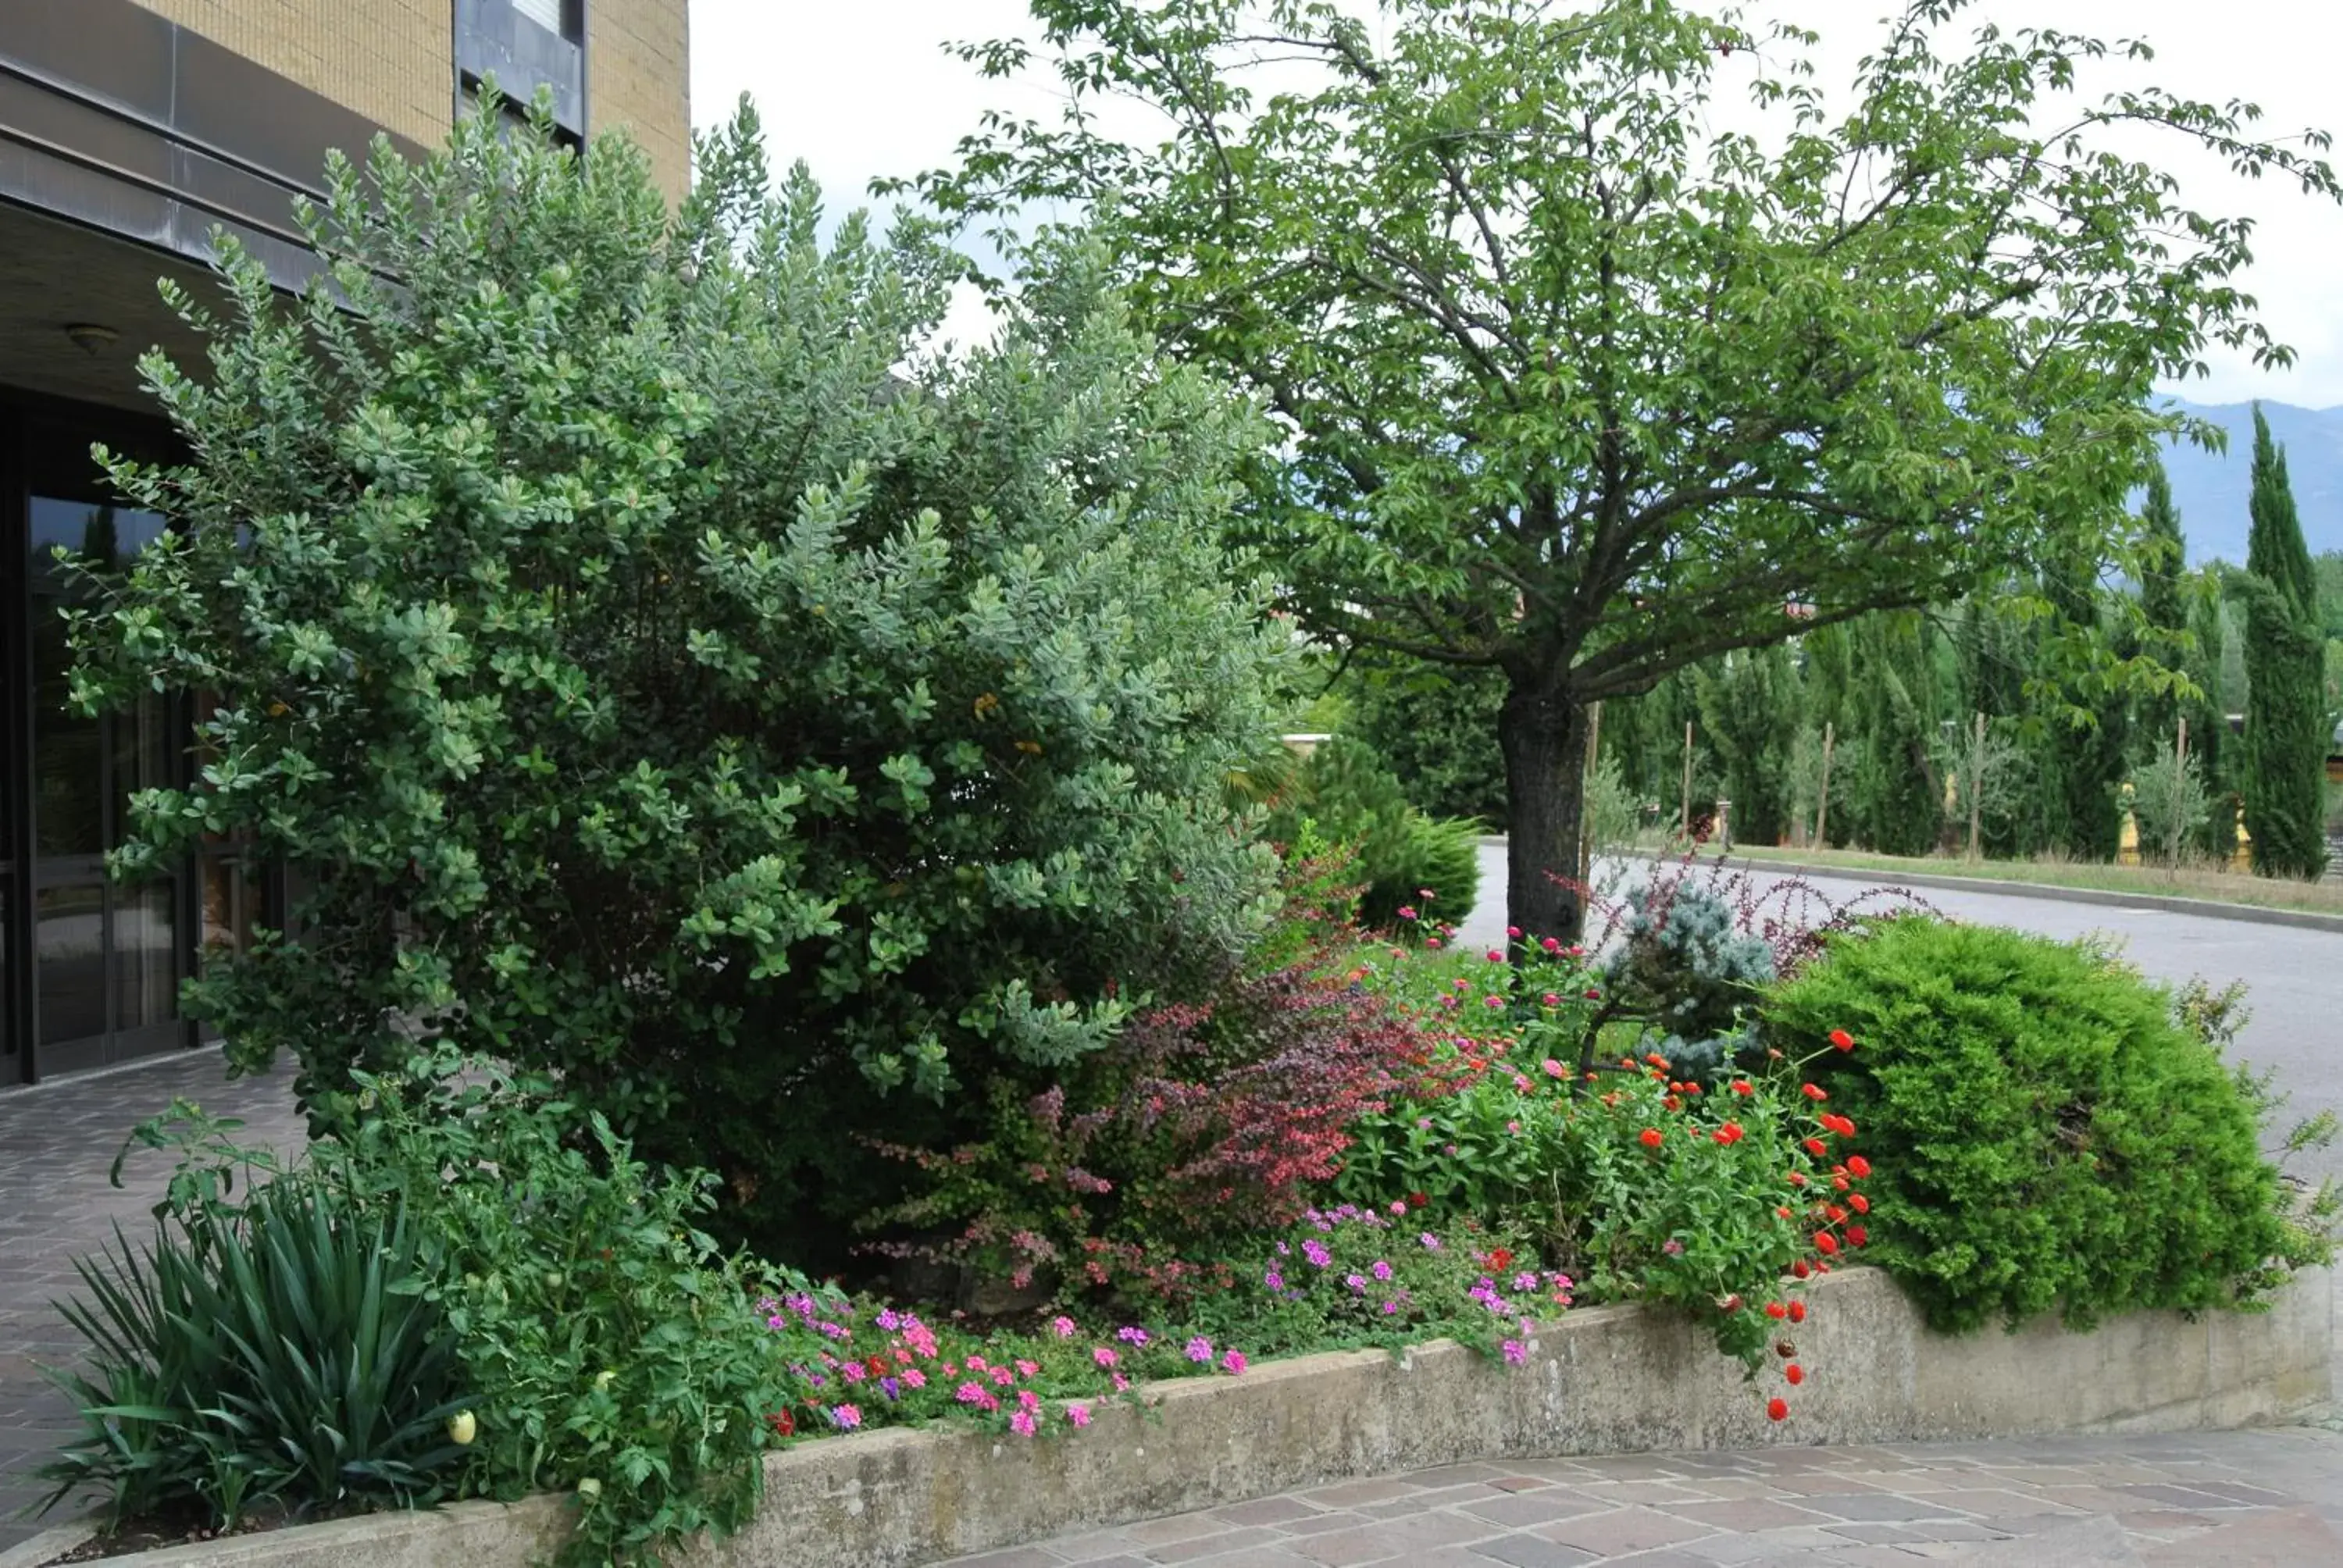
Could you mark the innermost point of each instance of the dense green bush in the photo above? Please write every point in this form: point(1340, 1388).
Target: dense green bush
point(1346, 793)
point(1438, 730)
point(666, 673)
point(267, 1353)
point(2049, 1135)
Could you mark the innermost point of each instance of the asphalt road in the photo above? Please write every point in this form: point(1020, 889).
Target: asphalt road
point(2294, 976)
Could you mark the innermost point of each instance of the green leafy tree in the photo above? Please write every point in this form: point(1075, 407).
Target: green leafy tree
point(1437, 729)
point(1576, 388)
point(1750, 711)
point(2209, 715)
point(1895, 797)
point(2287, 733)
point(2087, 740)
point(662, 673)
point(2163, 607)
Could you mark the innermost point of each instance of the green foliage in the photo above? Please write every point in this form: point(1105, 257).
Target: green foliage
point(1750, 712)
point(1347, 795)
point(1594, 391)
point(2286, 726)
point(665, 674)
point(605, 1341)
point(1893, 801)
point(1438, 730)
point(272, 1352)
point(2170, 805)
point(2057, 1140)
point(1684, 967)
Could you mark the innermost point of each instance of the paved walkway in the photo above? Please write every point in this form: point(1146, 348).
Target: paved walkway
point(56, 1142)
point(2270, 1497)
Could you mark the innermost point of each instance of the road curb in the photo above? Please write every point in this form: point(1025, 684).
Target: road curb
point(2166, 903)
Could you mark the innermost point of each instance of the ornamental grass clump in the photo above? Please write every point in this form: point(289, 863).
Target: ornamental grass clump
point(2064, 1140)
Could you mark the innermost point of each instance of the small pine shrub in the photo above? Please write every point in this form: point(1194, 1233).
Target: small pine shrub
point(2051, 1137)
point(1346, 793)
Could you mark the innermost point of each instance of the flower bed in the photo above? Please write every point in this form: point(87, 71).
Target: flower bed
point(1602, 1380)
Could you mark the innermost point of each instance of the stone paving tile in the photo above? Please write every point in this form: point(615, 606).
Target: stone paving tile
point(56, 1141)
point(2224, 1500)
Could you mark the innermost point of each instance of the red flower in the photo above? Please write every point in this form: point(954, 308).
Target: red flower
point(1500, 1257)
point(1794, 1374)
point(1797, 1311)
point(1742, 1086)
point(1777, 1311)
point(1858, 1166)
point(1671, 1102)
point(1656, 1059)
point(1861, 1204)
point(1418, 1199)
point(1841, 1038)
point(1826, 1243)
point(1650, 1137)
point(1816, 1147)
point(1730, 1132)
point(1797, 1177)
point(1778, 1409)
point(1799, 1268)
point(1856, 1234)
point(1838, 1124)
point(1813, 1091)
point(1833, 1214)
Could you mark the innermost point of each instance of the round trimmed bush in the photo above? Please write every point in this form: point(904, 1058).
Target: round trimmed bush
point(2044, 1133)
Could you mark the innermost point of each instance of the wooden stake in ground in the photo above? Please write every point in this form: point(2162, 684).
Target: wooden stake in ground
point(1822, 807)
point(2180, 782)
point(1976, 783)
point(1687, 780)
point(1586, 817)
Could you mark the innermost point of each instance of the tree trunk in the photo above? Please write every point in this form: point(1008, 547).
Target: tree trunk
point(1544, 737)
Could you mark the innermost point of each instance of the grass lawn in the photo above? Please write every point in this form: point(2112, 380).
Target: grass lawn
point(2187, 882)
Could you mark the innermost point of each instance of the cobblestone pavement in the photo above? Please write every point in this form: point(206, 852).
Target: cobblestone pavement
point(57, 1141)
point(2269, 1497)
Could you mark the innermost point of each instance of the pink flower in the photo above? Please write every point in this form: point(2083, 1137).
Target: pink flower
point(1078, 1415)
point(1133, 1336)
point(1104, 1356)
point(1001, 1377)
point(1200, 1349)
point(1494, 1002)
point(970, 1394)
point(1233, 1363)
point(1495, 956)
point(1552, 1067)
point(976, 1364)
point(1398, 1206)
point(846, 1417)
point(1551, 999)
point(1514, 1127)
point(1381, 1270)
point(914, 1378)
point(1021, 1422)
point(1522, 1083)
point(1515, 1351)
point(1121, 1384)
point(1431, 1242)
point(1028, 1400)
point(1551, 944)
point(1432, 942)
point(1407, 911)
point(1062, 1327)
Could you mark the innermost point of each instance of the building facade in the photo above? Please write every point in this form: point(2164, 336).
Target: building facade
point(130, 131)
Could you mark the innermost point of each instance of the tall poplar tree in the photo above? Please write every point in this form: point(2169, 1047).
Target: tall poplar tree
point(2285, 741)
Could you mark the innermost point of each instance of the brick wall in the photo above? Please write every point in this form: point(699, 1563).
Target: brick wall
point(391, 60)
point(636, 77)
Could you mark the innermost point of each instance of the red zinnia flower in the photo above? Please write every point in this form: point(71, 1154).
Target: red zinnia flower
point(1816, 1147)
point(1794, 1374)
point(1813, 1091)
point(1797, 1311)
point(1856, 1234)
point(1650, 1137)
point(1833, 1214)
point(1418, 1199)
point(1799, 1268)
point(1841, 1038)
point(1858, 1166)
point(1778, 1409)
point(1742, 1086)
point(1826, 1243)
point(1861, 1204)
point(1775, 1309)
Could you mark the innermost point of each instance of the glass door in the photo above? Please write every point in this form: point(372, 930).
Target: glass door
point(106, 956)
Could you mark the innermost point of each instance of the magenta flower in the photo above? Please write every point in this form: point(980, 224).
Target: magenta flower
point(1407, 911)
point(1431, 1242)
point(1028, 1400)
point(1104, 1356)
point(1552, 1067)
point(1380, 1270)
point(1525, 1281)
point(1021, 1422)
point(1516, 1353)
point(846, 1417)
point(1495, 956)
point(1027, 1369)
point(1062, 1327)
point(1078, 1415)
point(1316, 1252)
point(1200, 1349)
point(1133, 1336)
point(1233, 1363)
point(1121, 1384)
point(1274, 1279)
point(914, 1378)
point(1551, 945)
point(1514, 933)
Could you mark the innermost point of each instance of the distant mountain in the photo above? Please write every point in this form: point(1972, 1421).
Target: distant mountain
point(2210, 488)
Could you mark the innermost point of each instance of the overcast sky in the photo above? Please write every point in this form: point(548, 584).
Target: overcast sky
point(861, 88)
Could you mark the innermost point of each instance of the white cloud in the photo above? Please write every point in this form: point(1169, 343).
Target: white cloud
point(866, 90)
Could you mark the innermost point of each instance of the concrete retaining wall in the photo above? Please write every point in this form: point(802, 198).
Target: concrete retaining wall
point(1605, 1379)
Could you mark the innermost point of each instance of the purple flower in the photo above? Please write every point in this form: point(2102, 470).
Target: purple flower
point(1317, 1253)
point(1274, 1279)
point(1525, 1281)
point(1515, 1351)
point(846, 1417)
point(887, 1320)
point(1431, 1242)
point(889, 1387)
point(1380, 1270)
point(1078, 1415)
point(1200, 1349)
point(1358, 1283)
point(1133, 1336)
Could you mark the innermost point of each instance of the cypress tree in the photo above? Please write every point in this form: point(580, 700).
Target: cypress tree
point(2208, 716)
point(2284, 747)
point(2163, 608)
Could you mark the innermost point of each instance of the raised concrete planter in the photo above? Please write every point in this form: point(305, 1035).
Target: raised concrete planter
point(1607, 1379)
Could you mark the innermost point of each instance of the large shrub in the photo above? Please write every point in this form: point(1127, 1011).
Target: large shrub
point(661, 671)
point(2050, 1136)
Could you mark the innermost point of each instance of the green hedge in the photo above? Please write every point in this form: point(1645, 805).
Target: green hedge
point(2046, 1134)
